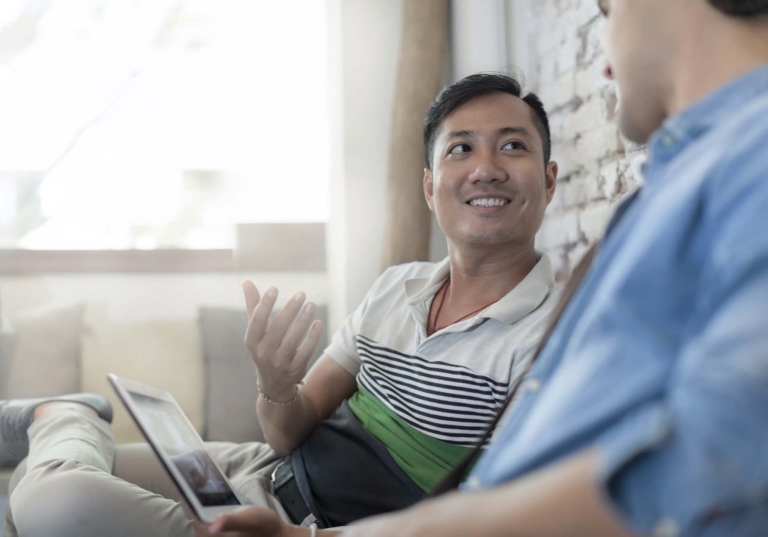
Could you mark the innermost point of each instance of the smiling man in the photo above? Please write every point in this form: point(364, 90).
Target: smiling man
point(407, 387)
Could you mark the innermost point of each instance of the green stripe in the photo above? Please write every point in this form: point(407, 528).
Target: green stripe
point(424, 459)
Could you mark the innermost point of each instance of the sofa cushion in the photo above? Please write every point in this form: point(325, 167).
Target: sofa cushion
point(163, 354)
point(43, 355)
point(7, 340)
point(230, 375)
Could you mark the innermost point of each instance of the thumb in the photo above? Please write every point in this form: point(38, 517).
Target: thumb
point(251, 519)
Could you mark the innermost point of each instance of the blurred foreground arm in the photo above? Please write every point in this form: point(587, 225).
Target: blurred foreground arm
point(561, 499)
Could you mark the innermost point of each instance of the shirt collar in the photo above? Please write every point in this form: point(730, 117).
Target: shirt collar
point(518, 303)
point(681, 130)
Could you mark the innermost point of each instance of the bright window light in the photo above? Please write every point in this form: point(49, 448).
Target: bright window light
point(160, 123)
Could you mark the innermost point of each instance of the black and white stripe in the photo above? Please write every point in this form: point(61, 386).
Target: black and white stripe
point(448, 402)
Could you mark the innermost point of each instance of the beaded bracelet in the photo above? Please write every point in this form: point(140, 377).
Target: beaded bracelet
point(271, 402)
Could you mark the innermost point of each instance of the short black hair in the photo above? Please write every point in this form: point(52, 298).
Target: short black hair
point(478, 85)
point(741, 8)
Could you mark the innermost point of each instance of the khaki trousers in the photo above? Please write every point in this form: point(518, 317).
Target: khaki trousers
point(77, 483)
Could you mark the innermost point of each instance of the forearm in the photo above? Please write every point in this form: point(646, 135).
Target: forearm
point(559, 500)
point(286, 426)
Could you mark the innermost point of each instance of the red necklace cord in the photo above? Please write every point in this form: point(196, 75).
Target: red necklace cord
point(444, 290)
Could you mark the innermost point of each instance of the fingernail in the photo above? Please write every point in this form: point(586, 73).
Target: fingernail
point(299, 297)
point(271, 292)
point(309, 308)
point(215, 526)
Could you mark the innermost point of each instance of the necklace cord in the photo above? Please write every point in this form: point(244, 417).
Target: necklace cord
point(444, 290)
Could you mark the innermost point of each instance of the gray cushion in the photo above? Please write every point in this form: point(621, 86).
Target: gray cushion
point(6, 351)
point(46, 352)
point(230, 376)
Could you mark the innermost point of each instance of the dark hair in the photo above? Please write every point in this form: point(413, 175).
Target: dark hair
point(471, 87)
point(741, 8)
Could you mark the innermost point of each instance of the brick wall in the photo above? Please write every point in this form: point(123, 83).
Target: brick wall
point(558, 46)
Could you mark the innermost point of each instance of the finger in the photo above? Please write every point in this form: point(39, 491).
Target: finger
point(297, 332)
point(259, 322)
point(307, 349)
point(252, 296)
point(250, 519)
point(280, 324)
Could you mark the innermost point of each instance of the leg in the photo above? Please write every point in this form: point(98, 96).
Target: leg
point(68, 488)
point(249, 468)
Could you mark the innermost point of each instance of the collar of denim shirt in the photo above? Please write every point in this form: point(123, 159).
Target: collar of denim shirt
point(678, 132)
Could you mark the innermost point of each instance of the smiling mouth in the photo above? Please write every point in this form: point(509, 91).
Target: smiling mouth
point(488, 202)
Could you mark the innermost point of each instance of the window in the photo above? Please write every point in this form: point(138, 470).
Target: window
point(146, 124)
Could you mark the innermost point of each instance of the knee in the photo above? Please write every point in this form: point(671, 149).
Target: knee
point(68, 498)
point(61, 498)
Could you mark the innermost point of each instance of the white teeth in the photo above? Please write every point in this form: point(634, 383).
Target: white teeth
point(488, 202)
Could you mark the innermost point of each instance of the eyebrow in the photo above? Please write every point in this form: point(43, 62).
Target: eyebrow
point(502, 132)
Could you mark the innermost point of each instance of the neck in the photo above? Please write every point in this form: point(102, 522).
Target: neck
point(717, 50)
point(480, 276)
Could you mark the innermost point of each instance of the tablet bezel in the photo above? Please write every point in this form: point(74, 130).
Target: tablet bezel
point(205, 514)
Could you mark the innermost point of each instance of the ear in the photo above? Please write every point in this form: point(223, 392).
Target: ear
point(429, 189)
point(551, 180)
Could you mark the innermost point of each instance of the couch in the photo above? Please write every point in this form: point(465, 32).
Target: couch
point(203, 362)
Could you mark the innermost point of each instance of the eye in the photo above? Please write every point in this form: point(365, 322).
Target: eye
point(514, 145)
point(460, 148)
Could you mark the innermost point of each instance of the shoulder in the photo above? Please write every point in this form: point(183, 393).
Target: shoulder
point(742, 163)
point(736, 197)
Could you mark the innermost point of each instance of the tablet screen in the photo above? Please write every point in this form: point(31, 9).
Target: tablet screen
point(182, 446)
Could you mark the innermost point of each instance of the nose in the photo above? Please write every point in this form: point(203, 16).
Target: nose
point(608, 71)
point(488, 170)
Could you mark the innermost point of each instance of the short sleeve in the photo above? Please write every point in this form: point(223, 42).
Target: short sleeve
point(343, 346)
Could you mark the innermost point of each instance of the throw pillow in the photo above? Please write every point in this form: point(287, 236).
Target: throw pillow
point(46, 352)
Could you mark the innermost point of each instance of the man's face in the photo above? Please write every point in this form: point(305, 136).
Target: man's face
point(489, 185)
point(639, 46)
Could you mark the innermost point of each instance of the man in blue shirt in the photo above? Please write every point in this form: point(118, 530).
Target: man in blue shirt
point(646, 410)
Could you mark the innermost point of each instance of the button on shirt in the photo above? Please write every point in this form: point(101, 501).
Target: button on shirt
point(660, 361)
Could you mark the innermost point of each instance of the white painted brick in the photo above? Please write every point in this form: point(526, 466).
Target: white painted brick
point(600, 143)
point(570, 162)
point(558, 230)
point(597, 167)
point(593, 219)
point(611, 183)
point(575, 255)
point(590, 80)
point(579, 191)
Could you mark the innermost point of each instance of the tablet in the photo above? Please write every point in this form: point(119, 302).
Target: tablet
point(179, 448)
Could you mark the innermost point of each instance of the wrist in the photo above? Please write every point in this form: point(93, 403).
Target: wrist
point(278, 395)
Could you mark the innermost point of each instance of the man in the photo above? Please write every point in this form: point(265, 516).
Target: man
point(406, 388)
point(646, 410)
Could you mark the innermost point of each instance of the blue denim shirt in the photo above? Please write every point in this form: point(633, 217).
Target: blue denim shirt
point(660, 362)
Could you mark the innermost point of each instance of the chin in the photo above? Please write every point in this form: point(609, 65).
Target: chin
point(637, 123)
point(487, 237)
point(634, 131)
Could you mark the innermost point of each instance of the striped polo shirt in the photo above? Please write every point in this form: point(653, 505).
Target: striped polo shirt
point(429, 399)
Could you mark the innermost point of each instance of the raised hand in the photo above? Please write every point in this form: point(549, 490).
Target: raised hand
point(276, 346)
